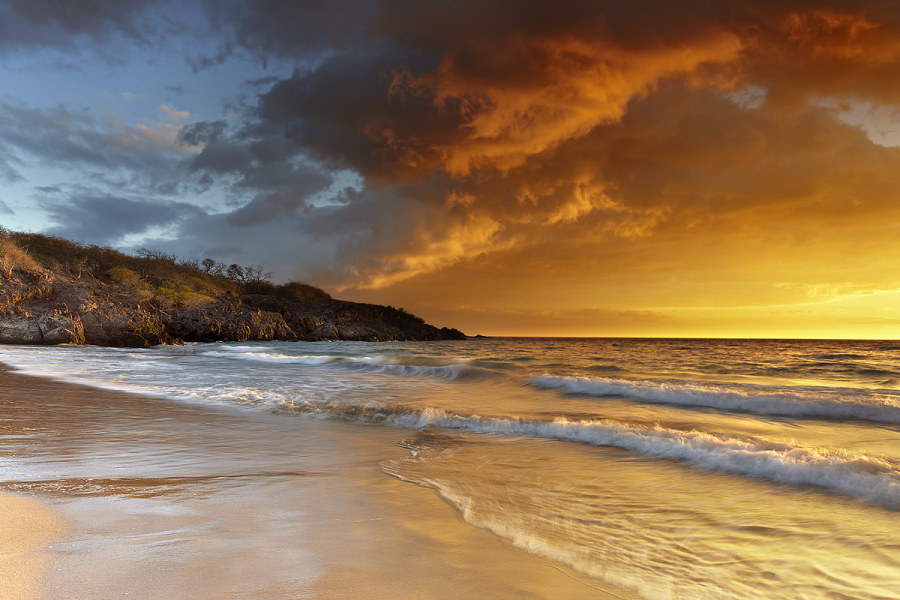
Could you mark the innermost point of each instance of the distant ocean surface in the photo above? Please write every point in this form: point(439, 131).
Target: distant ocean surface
point(678, 468)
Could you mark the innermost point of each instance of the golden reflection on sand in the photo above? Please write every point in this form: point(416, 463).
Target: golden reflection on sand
point(170, 500)
point(26, 528)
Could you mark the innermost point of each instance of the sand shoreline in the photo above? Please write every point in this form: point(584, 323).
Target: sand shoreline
point(167, 499)
point(27, 527)
point(162, 499)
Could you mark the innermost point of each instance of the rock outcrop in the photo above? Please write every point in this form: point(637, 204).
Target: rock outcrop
point(41, 307)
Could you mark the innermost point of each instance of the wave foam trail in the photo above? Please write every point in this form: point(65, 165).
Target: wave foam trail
point(448, 372)
point(793, 402)
point(857, 475)
point(272, 357)
point(370, 364)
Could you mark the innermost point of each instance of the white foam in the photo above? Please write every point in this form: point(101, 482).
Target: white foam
point(371, 364)
point(854, 474)
point(781, 401)
point(448, 372)
point(271, 357)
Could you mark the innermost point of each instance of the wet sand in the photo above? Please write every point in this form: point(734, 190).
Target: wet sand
point(138, 497)
point(26, 528)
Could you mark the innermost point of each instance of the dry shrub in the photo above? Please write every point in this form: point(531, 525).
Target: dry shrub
point(130, 282)
point(13, 257)
point(182, 296)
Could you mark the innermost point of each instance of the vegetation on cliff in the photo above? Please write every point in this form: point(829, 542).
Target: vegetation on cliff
point(54, 291)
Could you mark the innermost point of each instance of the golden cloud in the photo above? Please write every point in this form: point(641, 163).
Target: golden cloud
point(570, 87)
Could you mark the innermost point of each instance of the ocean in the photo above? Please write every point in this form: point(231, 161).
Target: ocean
point(674, 468)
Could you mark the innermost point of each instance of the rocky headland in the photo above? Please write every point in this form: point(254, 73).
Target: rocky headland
point(54, 291)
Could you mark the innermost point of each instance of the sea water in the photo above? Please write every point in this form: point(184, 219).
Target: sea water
point(675, 468)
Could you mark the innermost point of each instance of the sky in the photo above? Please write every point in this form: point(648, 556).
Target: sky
point(569, 168)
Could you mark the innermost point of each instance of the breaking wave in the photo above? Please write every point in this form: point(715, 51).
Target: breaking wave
point(792, 402)
point(272, 357)
point(369, 364)
point(853, 474)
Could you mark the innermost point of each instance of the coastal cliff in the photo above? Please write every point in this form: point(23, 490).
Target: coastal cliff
point(54, 291)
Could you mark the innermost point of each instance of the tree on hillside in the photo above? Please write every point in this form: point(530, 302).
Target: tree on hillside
point(235, 272)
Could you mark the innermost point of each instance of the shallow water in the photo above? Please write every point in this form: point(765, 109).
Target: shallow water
point(673, 468)
point(172, 500)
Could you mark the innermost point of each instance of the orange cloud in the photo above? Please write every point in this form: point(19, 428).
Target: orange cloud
point(830, 34)
point(569, 87)
point(430, 251)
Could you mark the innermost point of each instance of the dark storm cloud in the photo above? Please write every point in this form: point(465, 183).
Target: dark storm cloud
point(288, 187)
point(342, 113)
point(106, 220)
point(201, 132)
point(63, 23)
point(280, 178)
point(447, 26)
point(290, 29)
point(220, 153)
point(5, 209)
point(223, 156)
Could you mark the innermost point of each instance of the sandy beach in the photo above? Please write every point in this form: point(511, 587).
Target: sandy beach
point(26, 528)
point(111, 495)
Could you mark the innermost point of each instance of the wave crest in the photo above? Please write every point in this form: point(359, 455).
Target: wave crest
point(858, 475)
point(792, 402)
point(368, 364)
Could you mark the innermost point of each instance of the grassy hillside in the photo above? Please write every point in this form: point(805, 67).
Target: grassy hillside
point(147, 276)
point(55, 291)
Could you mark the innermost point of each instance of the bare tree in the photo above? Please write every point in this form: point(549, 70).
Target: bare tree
point(235, 272)
point(191, 263)
point(156, 255)
point(208, 265)
point(256, 274)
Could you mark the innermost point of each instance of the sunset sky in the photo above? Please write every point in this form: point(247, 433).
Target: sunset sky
point(577, 168)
